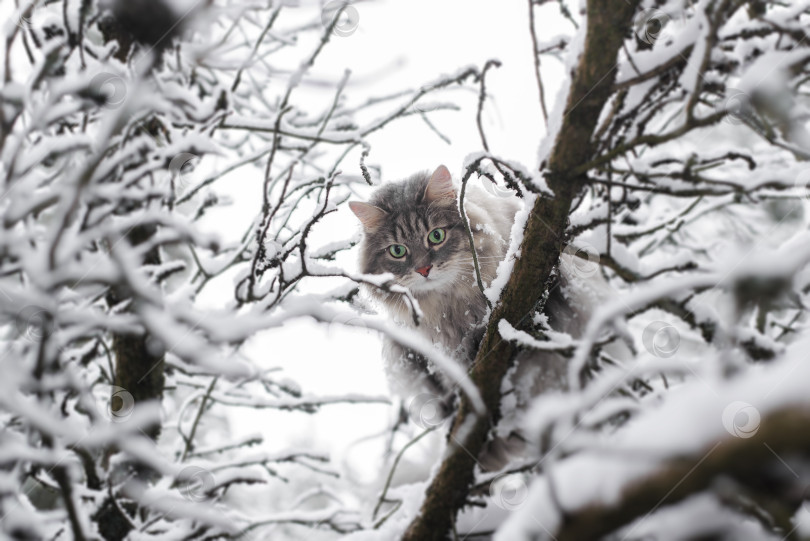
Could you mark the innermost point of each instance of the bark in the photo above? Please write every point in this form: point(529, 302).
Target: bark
point(781, 434)
point(608, 22)
point(138, 367)
point(139, 371)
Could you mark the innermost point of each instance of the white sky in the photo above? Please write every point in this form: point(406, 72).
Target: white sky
point(401, 45)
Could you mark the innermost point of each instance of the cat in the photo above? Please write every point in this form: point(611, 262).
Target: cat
point(413, 230)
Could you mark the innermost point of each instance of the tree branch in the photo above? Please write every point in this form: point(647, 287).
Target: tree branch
point(590, 89)
point(781, 433)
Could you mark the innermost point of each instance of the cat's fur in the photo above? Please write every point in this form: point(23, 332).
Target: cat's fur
point(452, 305)
point(451, 302)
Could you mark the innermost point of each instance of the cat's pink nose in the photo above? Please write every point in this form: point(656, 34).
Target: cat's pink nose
point(424, 271)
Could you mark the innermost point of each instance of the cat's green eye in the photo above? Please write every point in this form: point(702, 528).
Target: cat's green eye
point(436, 236)
point(397, 250)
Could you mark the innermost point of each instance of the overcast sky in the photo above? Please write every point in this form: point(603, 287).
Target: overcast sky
point(401, 45)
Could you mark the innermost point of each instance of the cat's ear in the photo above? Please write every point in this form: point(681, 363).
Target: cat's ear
point(369, 215)
point(440, 185)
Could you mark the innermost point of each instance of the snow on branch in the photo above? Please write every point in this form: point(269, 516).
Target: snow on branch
point(125, 130)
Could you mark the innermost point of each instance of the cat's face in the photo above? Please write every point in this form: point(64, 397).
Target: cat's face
point(423, 248)
point(414, 231)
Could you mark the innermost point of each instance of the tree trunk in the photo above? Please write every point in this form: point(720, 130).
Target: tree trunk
point(608, 22)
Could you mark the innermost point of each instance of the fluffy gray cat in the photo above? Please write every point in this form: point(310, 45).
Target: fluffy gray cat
point(413, 230)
